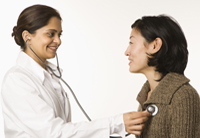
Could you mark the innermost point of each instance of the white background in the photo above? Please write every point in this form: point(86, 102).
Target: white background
point(95, 36)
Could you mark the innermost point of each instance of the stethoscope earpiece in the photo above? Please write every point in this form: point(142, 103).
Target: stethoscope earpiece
point(152, 109)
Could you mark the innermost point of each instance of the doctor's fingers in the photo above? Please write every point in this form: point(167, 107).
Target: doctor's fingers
point(130, 119)
point(132, 122)
point(139, 120)
point(135, 129)
point(135, 115)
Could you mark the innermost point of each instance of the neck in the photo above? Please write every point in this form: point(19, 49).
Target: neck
point(34, 57)
point(41, 63)
point(152, 77)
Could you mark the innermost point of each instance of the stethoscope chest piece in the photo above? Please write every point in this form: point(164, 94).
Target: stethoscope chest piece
point(152, 109)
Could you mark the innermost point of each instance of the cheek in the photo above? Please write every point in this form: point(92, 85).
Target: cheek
point(140, 59)
point(40, 45)
point(45, 41)
point(139, 53)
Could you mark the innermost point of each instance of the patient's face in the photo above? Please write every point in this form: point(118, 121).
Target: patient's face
point(137, 52)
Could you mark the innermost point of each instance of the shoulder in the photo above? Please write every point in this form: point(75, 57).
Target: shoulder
point(177, 87)
point(16, 72)
point(17, 77)
point(186, 93)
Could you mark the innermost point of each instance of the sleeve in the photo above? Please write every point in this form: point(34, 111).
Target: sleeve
point(186, 114)
point(26, 113)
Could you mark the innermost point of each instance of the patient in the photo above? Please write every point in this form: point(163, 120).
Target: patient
point(158, 49)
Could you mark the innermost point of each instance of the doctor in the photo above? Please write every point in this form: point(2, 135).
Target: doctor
point(33, 100)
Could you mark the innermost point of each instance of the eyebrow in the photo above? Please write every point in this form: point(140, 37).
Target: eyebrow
point(54, 30)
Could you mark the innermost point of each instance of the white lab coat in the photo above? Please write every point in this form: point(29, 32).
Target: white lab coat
point(35, 106)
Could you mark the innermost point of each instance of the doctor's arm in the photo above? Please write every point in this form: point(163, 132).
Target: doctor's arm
point(26, 114)
point(185, 115)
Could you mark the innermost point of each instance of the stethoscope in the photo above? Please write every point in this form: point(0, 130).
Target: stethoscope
point(152, 109)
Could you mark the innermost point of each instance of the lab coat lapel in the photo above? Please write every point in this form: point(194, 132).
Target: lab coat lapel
point(67, 107)
point(55, 99)
point(37, 73)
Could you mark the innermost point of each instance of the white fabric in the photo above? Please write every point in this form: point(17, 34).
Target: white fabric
point(35, 106)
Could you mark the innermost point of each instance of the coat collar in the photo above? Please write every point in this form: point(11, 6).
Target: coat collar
point(28, 63)
point(165, 90)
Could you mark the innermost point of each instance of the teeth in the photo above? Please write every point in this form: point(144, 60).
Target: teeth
point(53, 47)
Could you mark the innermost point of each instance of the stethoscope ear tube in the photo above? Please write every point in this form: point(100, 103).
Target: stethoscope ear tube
point(60, 74)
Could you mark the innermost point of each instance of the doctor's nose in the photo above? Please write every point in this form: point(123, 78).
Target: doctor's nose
point(57, 40)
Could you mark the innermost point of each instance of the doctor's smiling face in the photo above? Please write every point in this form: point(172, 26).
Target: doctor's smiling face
point(45, 41)
point(40, 27)
point(137, 52)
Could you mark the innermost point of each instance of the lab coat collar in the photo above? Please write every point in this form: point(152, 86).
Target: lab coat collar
point(165, 90)
point(28, 63)
point(55, 69)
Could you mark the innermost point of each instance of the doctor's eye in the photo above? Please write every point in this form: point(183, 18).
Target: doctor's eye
point(51, 34)
point(60, 34)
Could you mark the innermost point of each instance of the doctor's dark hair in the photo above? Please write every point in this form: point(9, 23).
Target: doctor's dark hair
point(173, 54)
point(31, 19)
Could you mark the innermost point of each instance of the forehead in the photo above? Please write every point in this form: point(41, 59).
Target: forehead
point(136, 35)
point(53, 24)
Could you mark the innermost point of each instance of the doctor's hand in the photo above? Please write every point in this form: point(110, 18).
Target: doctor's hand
point(135, 121)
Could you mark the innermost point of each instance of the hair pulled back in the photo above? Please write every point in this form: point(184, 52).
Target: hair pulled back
point(31, 19)
point(173, 54)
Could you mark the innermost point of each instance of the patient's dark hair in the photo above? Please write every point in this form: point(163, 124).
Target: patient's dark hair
point(173, 55)
point(31, 19)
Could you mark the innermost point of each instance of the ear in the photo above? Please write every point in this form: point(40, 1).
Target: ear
point(155, 46)
point(26, 35)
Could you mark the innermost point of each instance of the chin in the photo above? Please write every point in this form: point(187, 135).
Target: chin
point(134, 70)
point(51, 56)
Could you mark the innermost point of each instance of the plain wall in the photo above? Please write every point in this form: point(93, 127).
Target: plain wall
point(95, 36)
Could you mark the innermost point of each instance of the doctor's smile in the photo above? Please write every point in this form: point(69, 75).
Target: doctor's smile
point(53, 48)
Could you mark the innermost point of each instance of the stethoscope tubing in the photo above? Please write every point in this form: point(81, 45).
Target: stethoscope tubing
point(75, 98)
point(60, 77)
